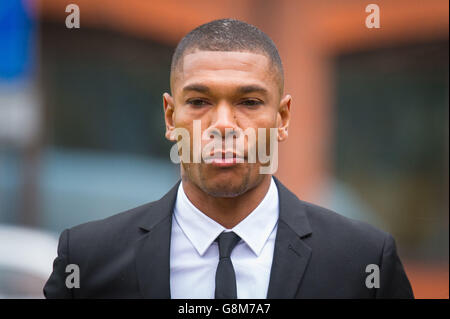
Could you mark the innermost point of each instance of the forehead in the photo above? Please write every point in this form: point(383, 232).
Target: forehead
point(223, 67)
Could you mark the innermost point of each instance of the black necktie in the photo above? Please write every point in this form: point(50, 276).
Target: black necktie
point(225, 276)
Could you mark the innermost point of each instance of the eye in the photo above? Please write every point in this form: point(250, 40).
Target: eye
point(251, 102)
point(197, 102)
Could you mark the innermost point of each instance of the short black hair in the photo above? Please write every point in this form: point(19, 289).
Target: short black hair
point(229, 35)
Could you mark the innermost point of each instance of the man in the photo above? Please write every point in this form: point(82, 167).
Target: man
point(227, 230)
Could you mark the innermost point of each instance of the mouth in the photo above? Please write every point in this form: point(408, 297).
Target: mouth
point(225, 159)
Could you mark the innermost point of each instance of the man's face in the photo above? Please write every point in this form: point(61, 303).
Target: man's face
point(226, 90)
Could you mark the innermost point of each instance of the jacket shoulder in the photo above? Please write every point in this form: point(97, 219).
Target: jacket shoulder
point(339, 231)
point(114, 224)
point(109, 236)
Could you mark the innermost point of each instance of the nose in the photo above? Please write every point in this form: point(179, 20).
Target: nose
point(223, 118)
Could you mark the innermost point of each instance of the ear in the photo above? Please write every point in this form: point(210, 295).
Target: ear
point(169, 113)
point(283, 117)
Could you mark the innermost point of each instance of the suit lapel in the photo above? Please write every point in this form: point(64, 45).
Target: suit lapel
point(291, 254)
point(153, 249)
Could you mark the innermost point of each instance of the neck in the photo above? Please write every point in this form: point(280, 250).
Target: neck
point(227, 211)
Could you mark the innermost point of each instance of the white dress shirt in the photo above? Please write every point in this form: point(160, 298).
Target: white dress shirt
point(194, 254)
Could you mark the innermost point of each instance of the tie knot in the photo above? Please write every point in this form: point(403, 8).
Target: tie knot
point(227, 241)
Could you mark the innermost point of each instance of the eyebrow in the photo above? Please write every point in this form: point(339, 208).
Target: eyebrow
point(196, 87)
point(252, 88)
point(242, 89)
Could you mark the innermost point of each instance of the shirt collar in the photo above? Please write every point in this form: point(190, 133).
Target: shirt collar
point(254, 230)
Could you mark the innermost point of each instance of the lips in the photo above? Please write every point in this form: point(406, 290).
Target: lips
point(227, 159)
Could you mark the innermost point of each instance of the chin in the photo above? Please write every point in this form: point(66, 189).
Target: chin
point(226, 183)
point(224, 192)
point(225, 187)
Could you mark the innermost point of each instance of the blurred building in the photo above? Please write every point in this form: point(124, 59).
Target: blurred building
point(368, 137)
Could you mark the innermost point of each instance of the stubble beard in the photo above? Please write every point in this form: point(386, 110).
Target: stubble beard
point(195, 174)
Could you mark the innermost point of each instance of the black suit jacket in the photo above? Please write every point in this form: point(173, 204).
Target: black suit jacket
point(318, 254)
